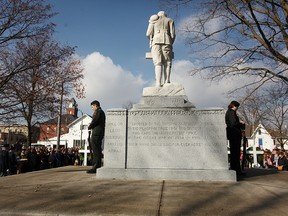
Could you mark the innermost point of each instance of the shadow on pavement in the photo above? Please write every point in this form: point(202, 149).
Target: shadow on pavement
point(254, 172)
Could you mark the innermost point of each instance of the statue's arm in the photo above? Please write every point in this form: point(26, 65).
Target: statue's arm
point(149, 33)
point(172, 30)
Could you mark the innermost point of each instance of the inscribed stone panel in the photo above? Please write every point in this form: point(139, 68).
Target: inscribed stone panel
point(115, 139)
point(175, 139)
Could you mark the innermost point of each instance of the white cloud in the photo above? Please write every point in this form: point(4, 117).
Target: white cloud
point(114, 87)
point(191, 24)
point(202, 93)
point(108, 83)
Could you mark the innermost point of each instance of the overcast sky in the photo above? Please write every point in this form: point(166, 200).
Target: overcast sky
point(111, 41)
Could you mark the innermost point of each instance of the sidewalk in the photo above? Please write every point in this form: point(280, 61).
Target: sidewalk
point(70, 191)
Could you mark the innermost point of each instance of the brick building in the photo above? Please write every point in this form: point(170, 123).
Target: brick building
point(49, 128)
point(12, 134)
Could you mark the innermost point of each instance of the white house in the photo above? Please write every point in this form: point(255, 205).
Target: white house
point(78, 131)
point(77, 135)
point(261, 138)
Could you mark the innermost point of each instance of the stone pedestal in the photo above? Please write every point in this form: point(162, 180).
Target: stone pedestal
point(167, 138)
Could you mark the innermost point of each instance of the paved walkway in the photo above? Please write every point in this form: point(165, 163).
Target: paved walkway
point(70, 191)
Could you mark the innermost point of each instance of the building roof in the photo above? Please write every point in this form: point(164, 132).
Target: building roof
point(66, 119)
point(251, 130)
point(79, 119)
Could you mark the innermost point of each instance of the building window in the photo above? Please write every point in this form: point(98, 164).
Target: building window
point(260, 141)
point(84, 127)
point(83, 144)
point(77, 144)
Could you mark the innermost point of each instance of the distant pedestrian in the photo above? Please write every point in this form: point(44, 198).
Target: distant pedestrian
point(4, 160)
point(282, 161)
point(234, 135)
point(244, 145)
point(12, 161)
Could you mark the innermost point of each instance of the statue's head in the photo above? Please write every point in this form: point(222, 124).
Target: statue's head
point(161, 14)
point(153, 18)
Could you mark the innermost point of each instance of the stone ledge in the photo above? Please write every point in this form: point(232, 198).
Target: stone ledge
point(150, 102)
point(168, 89)
point(167, 174)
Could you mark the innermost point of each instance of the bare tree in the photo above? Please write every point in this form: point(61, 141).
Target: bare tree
point(275, 109)
point(250, 108)
point(270, 107)
point(128, 105)
point(20, 19)
point(246, 38)
point(54, 73)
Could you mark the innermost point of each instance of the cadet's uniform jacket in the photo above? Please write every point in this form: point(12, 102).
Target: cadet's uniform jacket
point(98, 123)
point(161, 31)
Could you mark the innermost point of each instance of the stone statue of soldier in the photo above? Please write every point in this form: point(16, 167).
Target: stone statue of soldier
point(161, 33)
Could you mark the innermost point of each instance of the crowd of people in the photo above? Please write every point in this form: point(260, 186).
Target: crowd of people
point(18, 159)
point(235, 131)
point(276, 159)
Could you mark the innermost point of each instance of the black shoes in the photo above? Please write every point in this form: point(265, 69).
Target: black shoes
point(91, 171)
point(241, 173)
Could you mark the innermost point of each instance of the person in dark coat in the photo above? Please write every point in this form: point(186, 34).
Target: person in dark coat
point(12, 161)
point(97, 126)
point(245, 145)
point(282, 162)
point(234, 135)
point(4, 160)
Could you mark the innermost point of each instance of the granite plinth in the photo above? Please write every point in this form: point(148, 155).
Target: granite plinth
point(171, 95)
point(175, 143)
point(165, 137)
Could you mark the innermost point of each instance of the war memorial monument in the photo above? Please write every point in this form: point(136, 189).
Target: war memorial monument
point(164, 136)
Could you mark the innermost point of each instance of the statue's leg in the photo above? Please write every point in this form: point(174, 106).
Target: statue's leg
point(167, 72)
point(157, 60)
point(158, 75)
point(167, 62)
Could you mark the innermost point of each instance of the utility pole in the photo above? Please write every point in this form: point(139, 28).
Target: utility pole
point(81, 128)
point(60, 117)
